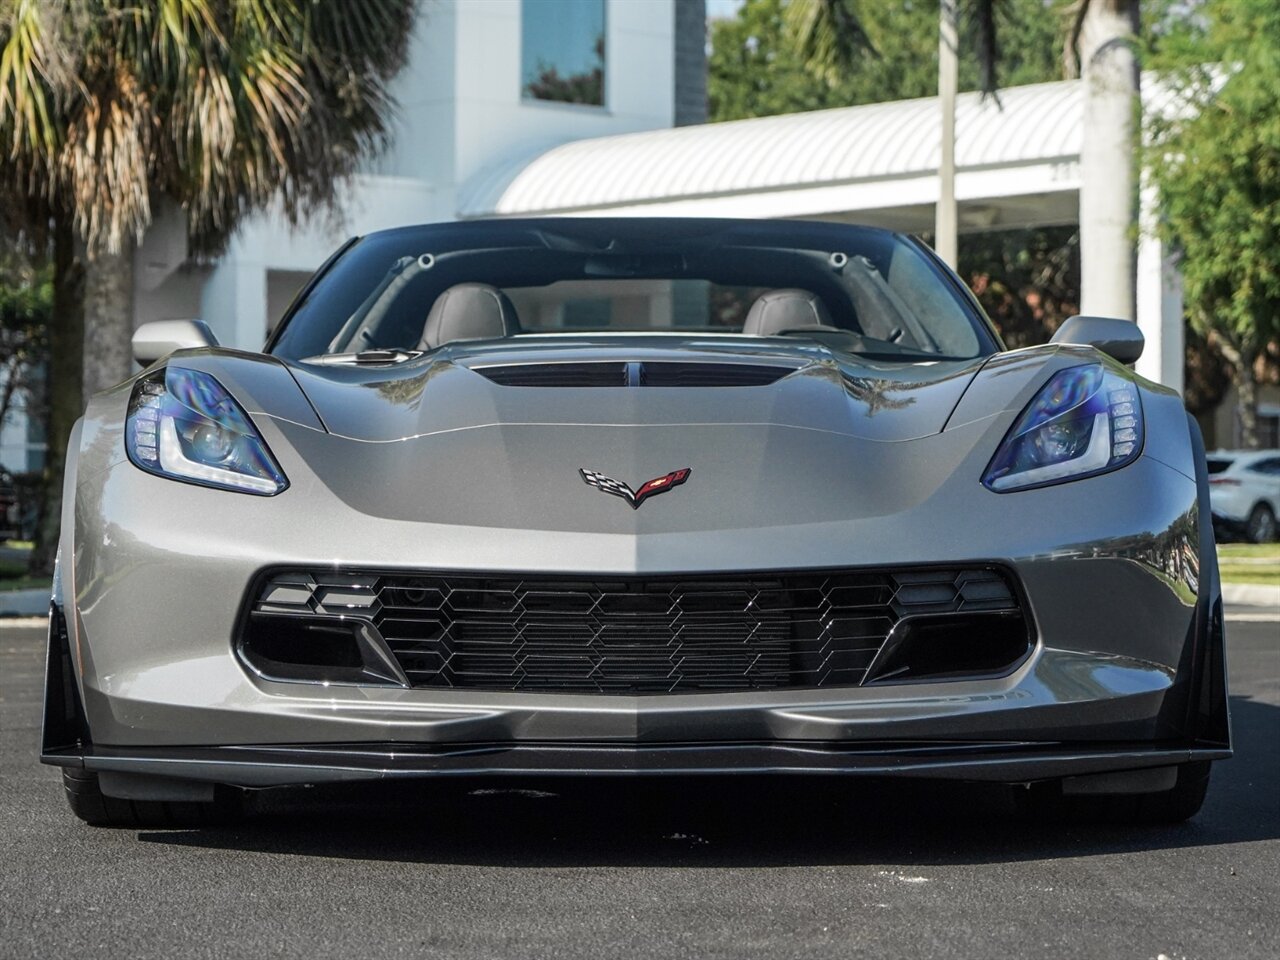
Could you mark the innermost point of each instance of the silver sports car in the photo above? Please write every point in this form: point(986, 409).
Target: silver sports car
point(617, 497)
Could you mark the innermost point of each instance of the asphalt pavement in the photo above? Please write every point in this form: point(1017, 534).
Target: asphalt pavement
point(630, 869)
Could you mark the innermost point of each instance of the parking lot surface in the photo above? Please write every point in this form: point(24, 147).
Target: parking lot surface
point(735, 868)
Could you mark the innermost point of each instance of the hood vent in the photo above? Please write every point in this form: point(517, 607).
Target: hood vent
point(557, 374)
point(710, 374)
point(649, 374)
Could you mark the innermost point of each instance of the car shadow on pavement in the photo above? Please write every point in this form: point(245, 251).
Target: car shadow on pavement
point(730, 822)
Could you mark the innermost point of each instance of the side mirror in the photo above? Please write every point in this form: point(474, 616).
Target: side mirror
point(1120, 339)
point(159, 338)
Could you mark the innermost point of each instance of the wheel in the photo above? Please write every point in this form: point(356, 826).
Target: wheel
point(1261, 527)
point(90, 804)
point(1046, 801)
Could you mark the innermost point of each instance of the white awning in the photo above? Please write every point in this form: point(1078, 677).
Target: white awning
point(876, 156)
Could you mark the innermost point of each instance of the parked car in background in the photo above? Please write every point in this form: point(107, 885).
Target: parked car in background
point(1244, 491)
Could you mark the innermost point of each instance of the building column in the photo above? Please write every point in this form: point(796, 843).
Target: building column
point(234, 303)
point(1159, 290)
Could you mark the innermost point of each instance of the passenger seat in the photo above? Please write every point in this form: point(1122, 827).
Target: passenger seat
point(785, 309)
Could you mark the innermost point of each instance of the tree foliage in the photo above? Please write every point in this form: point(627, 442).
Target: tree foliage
point(224, 107)
point(756, 69)
point(1215, 159)
point(1027, 280)
point(26, 300)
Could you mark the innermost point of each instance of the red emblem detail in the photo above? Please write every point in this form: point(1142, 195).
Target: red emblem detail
point(635, 497)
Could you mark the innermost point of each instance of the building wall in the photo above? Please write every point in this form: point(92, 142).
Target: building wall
point(1221, 428)
point(460, 112)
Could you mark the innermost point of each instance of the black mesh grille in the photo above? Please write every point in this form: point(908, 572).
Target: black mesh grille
point(633, 635)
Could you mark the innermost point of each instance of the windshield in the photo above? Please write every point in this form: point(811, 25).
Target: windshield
point(857, 290)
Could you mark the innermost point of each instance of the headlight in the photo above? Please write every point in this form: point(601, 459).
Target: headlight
point(183, 424)
point(1085, 421)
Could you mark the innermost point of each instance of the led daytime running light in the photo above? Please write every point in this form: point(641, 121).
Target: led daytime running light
point(183, 424)
point(1085, 421)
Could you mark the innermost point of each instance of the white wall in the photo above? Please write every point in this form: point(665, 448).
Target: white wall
point(234, 299)
point(460, 112)
point(494, 123)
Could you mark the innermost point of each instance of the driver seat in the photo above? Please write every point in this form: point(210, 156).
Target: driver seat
point(469, 311)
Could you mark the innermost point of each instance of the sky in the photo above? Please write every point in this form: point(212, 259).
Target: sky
point(722, 8)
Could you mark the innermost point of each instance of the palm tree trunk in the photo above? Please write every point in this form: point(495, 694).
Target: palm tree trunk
point(65, 389)
point(108, 320)
point(1108, 195)
point(1242, 358)
point(1247, 402)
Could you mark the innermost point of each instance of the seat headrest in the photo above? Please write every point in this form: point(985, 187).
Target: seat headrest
point(469, 311)
point(785, 309)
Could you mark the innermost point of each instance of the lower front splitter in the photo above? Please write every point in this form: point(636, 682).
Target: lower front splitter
point(283, 765)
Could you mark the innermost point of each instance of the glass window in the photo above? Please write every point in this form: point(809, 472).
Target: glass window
point(562, 51)
point(1270, 467)
point(1268, 431)
point(679, 277)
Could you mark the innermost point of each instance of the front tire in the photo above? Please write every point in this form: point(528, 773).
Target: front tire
point(1261, 527)
point(90, 804)
point(1046, 800)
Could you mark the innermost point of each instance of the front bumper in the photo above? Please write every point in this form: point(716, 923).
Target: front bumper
point(1116, 679)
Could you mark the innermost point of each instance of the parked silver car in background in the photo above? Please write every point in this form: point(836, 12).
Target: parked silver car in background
point(636, 497)
point(1244, 491)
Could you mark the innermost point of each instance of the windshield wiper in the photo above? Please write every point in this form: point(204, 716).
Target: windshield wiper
point(373, 357)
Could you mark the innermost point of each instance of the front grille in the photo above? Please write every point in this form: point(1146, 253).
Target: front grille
point(631, 635)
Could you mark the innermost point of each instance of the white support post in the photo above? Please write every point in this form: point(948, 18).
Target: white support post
point(1159, 290)
point(945, 242)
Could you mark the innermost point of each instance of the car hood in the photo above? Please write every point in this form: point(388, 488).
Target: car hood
point(467, 386)
point(437, 440)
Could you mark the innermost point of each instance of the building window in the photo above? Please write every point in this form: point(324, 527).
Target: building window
point(1268, 432)
point(562, 51)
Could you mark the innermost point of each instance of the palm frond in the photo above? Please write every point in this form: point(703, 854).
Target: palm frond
point(829, 35)
point(982, 15)
point(225, 105)
point(27, 78)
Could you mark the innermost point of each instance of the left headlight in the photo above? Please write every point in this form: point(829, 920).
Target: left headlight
point(183, 424)
point(1086, 420)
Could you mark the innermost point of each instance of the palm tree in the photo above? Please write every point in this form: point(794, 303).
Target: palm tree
point(1100, 45)
point(1101, 48)
point(109, 108)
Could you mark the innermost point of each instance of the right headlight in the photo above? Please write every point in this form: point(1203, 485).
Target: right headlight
point(183, 424)
point(1085, 421)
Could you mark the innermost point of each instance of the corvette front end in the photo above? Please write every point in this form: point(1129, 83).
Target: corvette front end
point(540, 556)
